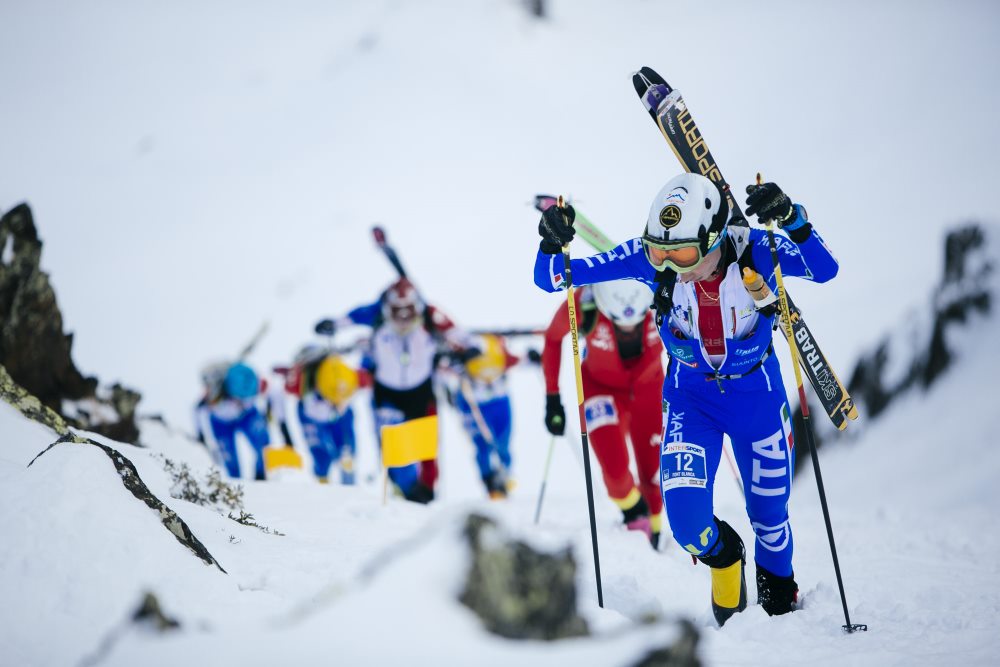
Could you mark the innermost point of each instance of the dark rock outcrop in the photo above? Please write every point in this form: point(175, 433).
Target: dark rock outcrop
point(916, 354)
point(682, 653)
point(147, 617)
point(520, 593)
point(150, 614)
point(29, 406)
point(16, 396)
point(130, 478)
point(33, 347)
point(921, 349)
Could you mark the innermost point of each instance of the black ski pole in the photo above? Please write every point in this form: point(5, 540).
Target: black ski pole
point(575, 337)
point(786, 322)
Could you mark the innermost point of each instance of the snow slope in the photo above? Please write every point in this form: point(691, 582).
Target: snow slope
point(356, 581)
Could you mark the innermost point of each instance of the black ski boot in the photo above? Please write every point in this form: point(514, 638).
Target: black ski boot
point(419, 493)
point(777, 595)
point(729, 584)
point(496, 485)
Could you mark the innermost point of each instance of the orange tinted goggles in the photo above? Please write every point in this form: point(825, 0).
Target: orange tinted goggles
point(681, 257)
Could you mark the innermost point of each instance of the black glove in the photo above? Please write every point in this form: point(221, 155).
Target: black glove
point(534, 356)
point(466, 355)
point(326, 327)
point(556, 228)
point(768, 202)
point(555, 416)
point(663, 303)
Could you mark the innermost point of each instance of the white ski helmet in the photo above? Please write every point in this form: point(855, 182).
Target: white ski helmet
point(624, 302)
point(402, 306)
point(687, 220)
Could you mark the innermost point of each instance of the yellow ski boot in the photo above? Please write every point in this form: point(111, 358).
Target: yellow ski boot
point(729, 584)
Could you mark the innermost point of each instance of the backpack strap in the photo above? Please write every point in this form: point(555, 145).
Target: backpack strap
point(738, 233)
point(663, 295)
point(588, 310)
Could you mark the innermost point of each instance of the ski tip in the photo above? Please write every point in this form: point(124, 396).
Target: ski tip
point(543, 202)
point(651, 89)
point(649, 77)
point(379, 234)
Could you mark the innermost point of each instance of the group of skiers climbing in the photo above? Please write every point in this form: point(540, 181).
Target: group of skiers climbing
point(678, 288)
point(411, 349)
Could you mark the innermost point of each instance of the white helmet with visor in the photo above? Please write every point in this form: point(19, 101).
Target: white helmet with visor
point(624, 302)
point(687, 220)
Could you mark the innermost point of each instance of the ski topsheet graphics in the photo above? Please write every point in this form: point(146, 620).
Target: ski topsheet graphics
point(667, 109)
point(390, 253)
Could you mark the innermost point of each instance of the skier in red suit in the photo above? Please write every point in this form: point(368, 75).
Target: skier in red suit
point(622, 375)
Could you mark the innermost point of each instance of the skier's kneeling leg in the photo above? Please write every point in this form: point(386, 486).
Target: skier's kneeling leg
point(343, 449)
point(311, 431)
point(608, 443)
point(406, 478)
point(224, 434)
point(687, 496)
point(255, 428)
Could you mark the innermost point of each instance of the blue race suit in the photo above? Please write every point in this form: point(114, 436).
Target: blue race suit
point(329, 434)
point(227, 418)
point(494, 405)
point(741, 396)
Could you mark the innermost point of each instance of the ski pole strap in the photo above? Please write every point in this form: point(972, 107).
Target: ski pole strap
point(737, 376)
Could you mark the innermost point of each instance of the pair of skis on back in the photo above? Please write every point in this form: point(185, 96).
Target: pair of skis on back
point(667, 109)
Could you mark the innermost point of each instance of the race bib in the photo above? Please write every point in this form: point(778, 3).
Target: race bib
point(600, 411)
point(682, 465)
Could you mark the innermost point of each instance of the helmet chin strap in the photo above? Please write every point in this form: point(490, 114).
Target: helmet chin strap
point(727, 256)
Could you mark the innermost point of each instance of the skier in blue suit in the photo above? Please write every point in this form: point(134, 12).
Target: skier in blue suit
point(229, 406)
point(723, 376)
